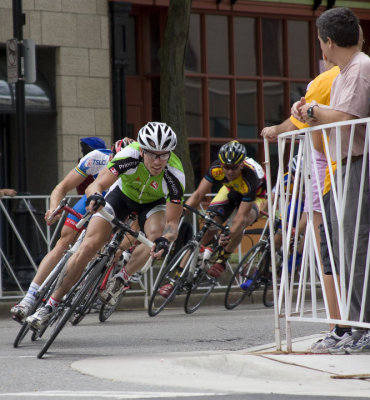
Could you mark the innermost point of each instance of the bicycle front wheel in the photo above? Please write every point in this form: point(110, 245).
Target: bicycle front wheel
point(172, 275)
point(106, 310)
point(199, 291)
point(248, 269)
point(87, 303)
point(76, 296)
point(268, 293)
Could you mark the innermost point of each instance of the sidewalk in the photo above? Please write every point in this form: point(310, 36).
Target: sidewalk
point(255, 370)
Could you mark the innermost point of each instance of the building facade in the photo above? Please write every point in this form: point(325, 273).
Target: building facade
point(98, 75)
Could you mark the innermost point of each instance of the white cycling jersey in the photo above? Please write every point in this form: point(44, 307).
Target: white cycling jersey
point(93, 162)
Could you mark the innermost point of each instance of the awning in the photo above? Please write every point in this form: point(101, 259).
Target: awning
point(38, 95)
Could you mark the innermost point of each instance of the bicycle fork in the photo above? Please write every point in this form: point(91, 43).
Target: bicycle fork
point(193, 263)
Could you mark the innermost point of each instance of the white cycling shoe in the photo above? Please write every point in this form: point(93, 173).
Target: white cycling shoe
point(41, 317)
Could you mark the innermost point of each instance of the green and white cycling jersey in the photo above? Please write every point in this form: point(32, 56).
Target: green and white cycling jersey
point(139, 185)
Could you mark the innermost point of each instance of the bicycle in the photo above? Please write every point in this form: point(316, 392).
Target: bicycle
point(187, 272)
point(92, 297)
point(73, 301)
point(253, 272)
point(48, 285)
point(106, 310)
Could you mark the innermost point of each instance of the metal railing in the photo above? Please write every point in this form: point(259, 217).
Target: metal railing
point(21, 225)
point(309, 301)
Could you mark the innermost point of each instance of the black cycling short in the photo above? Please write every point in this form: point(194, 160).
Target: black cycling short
point(225, 203)
point(123, 206)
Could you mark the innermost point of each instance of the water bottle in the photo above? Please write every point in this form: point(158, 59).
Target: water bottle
point(245, 285)
point(200, 256)
point(208, 251)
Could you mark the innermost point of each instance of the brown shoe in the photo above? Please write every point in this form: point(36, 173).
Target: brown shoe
point(216, 270)
point(166, 290)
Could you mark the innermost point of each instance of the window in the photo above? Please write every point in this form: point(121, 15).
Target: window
point(194, 106)
point(298, 43)
point(219, 108)
point(243, 72)
point(193, 53)
point(245, 43)
point(246, 102)
point(254, 69)
point(217, 45)
point(272, 47)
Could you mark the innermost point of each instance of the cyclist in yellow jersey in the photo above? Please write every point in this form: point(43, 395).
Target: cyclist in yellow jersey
point(243, 188)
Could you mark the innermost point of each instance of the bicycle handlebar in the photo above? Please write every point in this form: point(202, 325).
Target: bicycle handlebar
point(63, 206)
point(207, 218)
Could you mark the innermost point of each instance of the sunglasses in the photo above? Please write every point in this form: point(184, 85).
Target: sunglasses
point(154, 156)
point(230, 167)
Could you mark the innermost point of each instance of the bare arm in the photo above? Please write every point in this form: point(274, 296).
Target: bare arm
point(69, 182)
point(7, 192)
point(203, 188)
point(171, 228)
point(324, 115)
point(104, 180)
point(272, 132)
point(173, 215)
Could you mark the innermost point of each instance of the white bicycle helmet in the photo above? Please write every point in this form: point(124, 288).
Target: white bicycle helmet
point(157, 136)
point(120, 144)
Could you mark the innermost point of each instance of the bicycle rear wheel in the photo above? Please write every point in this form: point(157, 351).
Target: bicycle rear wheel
point(181, 261)
point(74, 299)
point(199, 291)
point(21, 334)
point(268, 294)
point(249, 268)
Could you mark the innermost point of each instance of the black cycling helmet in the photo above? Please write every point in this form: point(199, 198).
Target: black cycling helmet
point(232, 153)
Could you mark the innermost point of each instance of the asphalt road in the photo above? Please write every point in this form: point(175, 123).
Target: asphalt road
point(133, 333)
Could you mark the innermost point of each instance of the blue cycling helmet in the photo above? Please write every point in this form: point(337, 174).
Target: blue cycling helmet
point(91, 143)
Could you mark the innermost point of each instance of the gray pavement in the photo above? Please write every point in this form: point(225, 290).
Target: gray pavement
point(255, 370)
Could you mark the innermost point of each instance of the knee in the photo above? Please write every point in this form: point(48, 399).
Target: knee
point(154, 231)
point(87, 250)
point(66, 238)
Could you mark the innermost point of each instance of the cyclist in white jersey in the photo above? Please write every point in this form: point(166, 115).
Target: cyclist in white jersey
point(95, 158)
point(146, 177)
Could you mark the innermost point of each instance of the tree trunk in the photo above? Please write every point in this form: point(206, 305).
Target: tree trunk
point(172, 94)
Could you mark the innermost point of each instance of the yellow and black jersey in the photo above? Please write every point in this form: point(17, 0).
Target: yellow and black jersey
point(250, 184)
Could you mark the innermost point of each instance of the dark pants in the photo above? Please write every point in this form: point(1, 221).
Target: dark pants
point(348, 227)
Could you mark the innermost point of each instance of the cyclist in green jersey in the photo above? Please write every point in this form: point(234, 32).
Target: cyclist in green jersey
point(145, 177)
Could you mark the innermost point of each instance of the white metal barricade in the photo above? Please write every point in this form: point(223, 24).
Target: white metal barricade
point(301, 294)
point(47, 236)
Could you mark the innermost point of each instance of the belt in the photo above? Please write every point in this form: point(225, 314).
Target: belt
point(353, 159)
